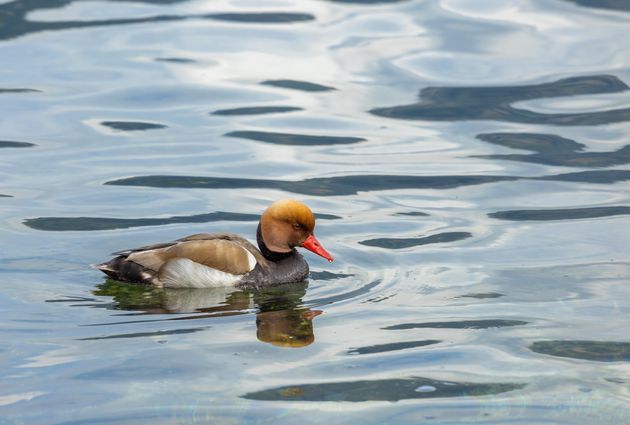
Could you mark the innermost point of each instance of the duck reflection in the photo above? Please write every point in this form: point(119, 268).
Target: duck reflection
point(281, 322)
point(281, 318)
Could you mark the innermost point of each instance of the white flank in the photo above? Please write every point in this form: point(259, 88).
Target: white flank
point(184, 273)
point(251, 259)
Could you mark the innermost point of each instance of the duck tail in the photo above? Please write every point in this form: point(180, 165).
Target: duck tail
point(119, 268)
point(107, 269)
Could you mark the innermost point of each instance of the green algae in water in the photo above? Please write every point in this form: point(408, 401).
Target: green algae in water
point(381, 390)
point(599, 351)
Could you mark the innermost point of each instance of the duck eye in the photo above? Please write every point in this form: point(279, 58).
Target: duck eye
point(297, 226)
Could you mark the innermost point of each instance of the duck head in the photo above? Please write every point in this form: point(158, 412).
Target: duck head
point(287, 224)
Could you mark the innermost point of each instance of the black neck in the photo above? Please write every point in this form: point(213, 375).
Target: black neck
point(269, 254)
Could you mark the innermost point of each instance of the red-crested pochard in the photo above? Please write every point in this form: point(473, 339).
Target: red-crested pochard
point(208, 260)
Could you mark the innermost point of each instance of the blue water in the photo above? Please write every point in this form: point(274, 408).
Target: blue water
point(468, 162)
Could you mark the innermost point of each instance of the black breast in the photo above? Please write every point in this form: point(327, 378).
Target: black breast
point(290, 269)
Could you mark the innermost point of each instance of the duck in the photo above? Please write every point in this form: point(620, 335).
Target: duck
point(210, 260)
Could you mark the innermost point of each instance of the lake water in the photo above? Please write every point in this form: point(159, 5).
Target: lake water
point(469, 162)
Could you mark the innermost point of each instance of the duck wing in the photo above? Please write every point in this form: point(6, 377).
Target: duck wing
point(227, 253)
point(220, 254)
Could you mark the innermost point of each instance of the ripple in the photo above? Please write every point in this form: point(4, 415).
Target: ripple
point(256, 110)
point(595, 177)
point(138, 370)
point(297, 85)
point(58, 224)
point(560, 214)
point(146, 334)
point(399, 243)
point(346, 295)
point(380, 390)
point(326, 275)
point(601, 351)
point(70, 299)
point(10, 144)
point(394, 346)
point(5, 196)
point(176, 60)
point(263, 17)
point(494, 103)
point(553, 150)
point(105, 223)
point(621, 5)
point(541, 143)
point(132, 125)
point(18, 90)
point(16, 24)
point(322, 186)
point(413, 214)
point(155, 97)
point(482, 295)
point(351, 185)
point(293, 139)
point(461, 324)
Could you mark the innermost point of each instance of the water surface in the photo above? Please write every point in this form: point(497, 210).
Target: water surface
point(468, 162)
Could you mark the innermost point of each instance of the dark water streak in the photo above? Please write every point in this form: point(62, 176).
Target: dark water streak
point(353, 184)
point(494, 103)
point(10, 144)
point(132, 125)
point(175, 60)
point(552, 150)
point(326, 275)
point(413, 214)
point(381, 390)
point(107, 223)
point(462, 324)
point(256, 110)
point(560, 214)
point(600, 351)
point(13, 16)
point(393, 346)
point(400, 243)
point(322, 186)
point(482, 295)
point(617, 5)
point(293, 139)
point(146, 334)
point(17, 90)
point(297, 85)
point(59, 224)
